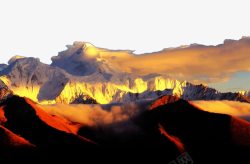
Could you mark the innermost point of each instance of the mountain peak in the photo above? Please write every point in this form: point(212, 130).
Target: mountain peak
point(90, 50)
point(78, 59)
point(87, 44)
point(167, 99)
point(15, 58)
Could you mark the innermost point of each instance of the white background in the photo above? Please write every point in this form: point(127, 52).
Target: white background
point(41, 28)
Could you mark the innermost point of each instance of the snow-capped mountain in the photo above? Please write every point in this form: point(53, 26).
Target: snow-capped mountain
point(188, 92)
point(30, 78)
point(87, 74)
point(245, 93)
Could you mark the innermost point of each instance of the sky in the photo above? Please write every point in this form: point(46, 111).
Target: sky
point(239, 81)
point(42, 28)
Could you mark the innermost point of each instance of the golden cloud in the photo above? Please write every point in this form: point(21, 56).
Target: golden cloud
point(93, 115)
point(195, 63)
point(233, 108)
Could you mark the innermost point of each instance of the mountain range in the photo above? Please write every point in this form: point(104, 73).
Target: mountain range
point(86, 74)
point(93, 103)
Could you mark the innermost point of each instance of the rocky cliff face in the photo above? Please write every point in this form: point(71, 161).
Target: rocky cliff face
point(5, 92)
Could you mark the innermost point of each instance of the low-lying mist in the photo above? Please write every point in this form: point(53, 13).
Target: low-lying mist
point(233, 108)
point(94, 115)
point(101, 115)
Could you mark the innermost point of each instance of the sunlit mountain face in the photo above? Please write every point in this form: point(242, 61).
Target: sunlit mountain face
point(187, 103)
point(84, 71)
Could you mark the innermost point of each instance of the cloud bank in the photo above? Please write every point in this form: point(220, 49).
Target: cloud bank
point(94, 115)
point(195, 63)
point(233, 108)
point(102, 115)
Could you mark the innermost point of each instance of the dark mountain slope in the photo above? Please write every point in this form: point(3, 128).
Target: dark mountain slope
point(206, 136)
point(170, 127)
